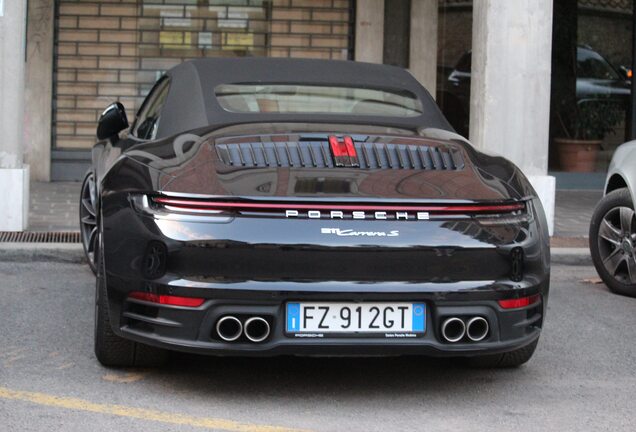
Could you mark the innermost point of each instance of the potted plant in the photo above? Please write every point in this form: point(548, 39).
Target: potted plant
point(584, 128)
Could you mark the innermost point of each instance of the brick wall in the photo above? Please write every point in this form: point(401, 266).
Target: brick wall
point(311, 29)
point(95, 64)
point(109, 50)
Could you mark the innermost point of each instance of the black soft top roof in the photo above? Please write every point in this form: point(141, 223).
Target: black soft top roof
point(191, 101)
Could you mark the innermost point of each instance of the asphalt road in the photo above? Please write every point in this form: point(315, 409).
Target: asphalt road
point(581, 377)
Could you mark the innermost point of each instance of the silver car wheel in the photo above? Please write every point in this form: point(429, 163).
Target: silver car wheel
point(616, 240)
point(88, 219)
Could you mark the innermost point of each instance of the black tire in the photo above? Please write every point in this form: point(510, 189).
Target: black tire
point(510, 359)
point(612, 240)
point(112, 350)
point(88, 220)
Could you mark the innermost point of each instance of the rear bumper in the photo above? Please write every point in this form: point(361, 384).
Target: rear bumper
point(331, 348)
point(194, 329)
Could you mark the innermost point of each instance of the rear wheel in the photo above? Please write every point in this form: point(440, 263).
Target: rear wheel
point(510, 359)
point(613, 242)
point(112, 350)
point(88, 220)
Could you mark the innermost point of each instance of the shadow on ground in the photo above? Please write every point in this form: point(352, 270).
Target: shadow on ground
point(323, 377)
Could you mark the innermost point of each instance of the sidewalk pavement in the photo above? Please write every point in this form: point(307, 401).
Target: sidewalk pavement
point(54, 208)
point(573, 212)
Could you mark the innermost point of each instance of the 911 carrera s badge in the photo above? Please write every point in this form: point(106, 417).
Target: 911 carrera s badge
point(351, 233)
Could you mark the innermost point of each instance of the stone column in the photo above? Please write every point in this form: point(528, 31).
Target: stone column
point(510, 87)
point(39, 89)
point(14, 174)
point(369, 31)
point(423, 43)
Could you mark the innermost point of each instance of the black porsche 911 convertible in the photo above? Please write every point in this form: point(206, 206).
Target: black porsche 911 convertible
point(279, 206)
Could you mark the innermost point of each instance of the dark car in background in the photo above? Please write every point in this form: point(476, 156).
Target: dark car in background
point(283, 206)
point(596, 78)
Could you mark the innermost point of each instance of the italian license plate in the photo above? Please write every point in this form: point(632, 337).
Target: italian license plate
point(356, 317)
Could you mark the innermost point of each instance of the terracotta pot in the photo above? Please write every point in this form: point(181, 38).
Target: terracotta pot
point(577, 155)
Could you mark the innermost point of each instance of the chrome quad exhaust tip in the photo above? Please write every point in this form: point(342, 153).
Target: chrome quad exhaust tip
point(229, 328)
point(257, 329)
point(453, 329)
point(477, 329)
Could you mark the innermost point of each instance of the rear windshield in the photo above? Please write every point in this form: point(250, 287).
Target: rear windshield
point(313, 99)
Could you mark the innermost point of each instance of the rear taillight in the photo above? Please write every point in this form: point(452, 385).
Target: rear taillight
point(188, 204)
point(169, 300)
point(519, 303)
point(223, 211)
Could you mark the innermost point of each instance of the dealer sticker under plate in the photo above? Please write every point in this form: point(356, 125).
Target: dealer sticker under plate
point(388, 318)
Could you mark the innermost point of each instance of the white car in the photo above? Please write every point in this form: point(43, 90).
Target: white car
point(613, 228)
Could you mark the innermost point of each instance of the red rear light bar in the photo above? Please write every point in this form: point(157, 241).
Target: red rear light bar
point(192, 204)
point(519, 302)
point(167, 299)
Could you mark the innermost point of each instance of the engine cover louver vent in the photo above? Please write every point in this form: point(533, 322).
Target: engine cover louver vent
point(316, 154)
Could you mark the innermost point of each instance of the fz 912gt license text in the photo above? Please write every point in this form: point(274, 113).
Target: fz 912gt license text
point(343, 318)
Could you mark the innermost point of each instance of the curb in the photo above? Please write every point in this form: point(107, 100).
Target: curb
point(571, 256)
point(74, 253)
point(49, 252)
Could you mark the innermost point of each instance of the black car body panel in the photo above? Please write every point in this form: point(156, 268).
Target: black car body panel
point(249, 213)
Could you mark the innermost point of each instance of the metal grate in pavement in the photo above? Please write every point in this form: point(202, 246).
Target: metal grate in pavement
point(39, 237)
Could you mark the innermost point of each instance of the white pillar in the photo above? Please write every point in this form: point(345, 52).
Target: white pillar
point(423, 43)
point(39, 89)
point(14, 175)
point(510, 87)
point(369, 31)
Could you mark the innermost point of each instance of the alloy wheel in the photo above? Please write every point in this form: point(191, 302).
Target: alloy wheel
point(616, 244)
point(88, 220)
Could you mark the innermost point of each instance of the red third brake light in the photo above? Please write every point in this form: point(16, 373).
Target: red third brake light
point(167, 299)
point(338, 149)
point(519, 302)
point(351, 149)
point(344, 152)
